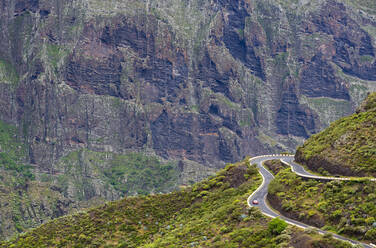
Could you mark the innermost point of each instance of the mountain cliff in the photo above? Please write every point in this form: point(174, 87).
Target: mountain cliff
point(90, 90)
point(347, 147)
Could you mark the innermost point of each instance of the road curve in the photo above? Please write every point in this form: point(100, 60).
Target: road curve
point(300, 171)
point(261, 193)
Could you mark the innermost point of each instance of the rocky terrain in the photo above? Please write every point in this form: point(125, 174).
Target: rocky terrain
point(89, 90)
point(347, 147)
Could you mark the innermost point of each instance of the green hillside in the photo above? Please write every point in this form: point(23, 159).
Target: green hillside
point(344, 207)
point(347, 147)
point(212, 213)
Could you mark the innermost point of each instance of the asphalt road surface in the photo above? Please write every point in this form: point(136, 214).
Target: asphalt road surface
point(261, 193)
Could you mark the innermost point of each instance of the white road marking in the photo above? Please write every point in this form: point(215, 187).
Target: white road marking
point(277, 156)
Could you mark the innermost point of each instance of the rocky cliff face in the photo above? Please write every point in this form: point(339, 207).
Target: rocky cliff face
point(200, 82)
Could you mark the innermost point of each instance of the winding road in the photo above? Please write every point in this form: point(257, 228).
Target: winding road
point(261, 193)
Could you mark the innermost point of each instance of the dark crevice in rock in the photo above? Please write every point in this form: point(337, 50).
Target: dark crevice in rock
point(26, 5)
point(213, 109)
point(44, 13)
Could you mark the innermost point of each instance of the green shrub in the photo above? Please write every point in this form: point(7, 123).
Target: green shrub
point(276, 226)
point(371, 234)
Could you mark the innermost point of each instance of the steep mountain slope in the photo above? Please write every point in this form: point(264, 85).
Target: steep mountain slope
point(347, 147)
point(345, 207)
point(86, 84)
point(212, 213)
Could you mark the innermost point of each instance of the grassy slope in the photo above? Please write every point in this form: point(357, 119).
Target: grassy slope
point(348, 208)
point(212, 213)
point(349, 143)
